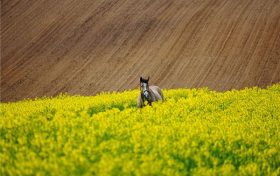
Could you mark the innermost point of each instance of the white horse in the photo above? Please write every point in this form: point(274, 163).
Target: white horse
point(148, 93)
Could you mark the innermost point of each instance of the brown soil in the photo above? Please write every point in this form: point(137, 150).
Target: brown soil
point(87, 46)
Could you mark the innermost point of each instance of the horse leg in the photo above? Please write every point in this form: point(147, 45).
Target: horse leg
point(140, 103)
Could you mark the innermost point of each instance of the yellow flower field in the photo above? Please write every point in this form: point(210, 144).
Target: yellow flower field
point(194, 132)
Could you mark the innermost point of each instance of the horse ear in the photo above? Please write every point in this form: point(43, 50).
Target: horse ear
point(148, 78)
point(141, 79)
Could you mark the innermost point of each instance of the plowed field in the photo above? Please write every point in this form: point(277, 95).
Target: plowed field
point(85, 46)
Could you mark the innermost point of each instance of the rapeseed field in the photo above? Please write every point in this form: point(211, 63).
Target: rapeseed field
point(194, 132)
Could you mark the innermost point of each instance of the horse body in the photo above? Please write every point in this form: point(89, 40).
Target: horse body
point(149, 93)
point(156, 93)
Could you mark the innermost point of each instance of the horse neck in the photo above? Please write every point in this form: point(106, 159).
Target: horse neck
point(151, 95)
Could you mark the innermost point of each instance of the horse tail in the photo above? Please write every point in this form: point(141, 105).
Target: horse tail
point(161, 94)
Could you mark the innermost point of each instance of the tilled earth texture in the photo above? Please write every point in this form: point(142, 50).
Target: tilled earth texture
point(86, 47)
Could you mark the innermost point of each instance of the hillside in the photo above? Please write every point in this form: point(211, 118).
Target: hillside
point(85, 47)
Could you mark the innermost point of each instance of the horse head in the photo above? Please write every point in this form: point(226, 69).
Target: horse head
point(144, 87)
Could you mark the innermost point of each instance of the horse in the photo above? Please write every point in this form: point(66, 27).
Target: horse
point(148, 93)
